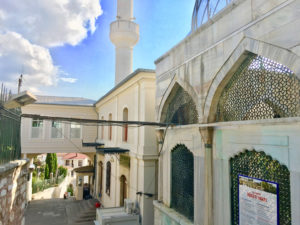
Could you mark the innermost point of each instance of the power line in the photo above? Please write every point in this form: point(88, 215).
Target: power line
point(91, 121)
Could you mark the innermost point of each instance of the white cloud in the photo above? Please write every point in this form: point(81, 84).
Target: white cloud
point(18, 55)
point(68, 79)
point(50, 23)
point(29, 28)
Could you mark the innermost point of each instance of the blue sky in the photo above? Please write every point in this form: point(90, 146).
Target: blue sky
point(162, 25)
point(85, 65)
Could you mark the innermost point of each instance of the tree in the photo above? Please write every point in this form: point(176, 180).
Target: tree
point(51, 165)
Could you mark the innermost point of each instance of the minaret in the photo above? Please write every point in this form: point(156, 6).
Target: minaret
point(124, 34)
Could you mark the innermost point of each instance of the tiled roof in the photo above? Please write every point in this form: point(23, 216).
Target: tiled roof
point(74, 156)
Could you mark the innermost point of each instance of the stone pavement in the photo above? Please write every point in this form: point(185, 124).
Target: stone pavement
point(51, 212)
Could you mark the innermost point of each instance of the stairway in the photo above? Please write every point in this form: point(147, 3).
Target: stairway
point(82, 212)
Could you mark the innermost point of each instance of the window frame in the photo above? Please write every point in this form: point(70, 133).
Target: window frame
point(41, 128)
point(62, 130)
point(80, 132)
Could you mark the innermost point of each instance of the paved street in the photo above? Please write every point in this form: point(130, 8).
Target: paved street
point(56, 212)
point(47, 212)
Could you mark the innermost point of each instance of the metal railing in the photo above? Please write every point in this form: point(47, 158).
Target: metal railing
point(10, 123)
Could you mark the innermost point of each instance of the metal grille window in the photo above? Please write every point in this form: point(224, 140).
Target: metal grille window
point(108, 177)
point(67, 162)
point(181, 108)
point(182, 181)
point(56, 130)
point(260, 89)
point(261, 166)
point(75, 130)
point(37, 129)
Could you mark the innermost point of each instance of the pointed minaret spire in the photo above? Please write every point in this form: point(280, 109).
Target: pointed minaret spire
point(124, 34)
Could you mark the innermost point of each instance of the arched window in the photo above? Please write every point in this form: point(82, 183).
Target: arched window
point(110, 127)
point(125, 126)
point(102, 129)
point(182, 181)
point(253, 169)
point(179, 108)
point(108, 176)
point(100, 176)
point(259, 89)
point(123, 189)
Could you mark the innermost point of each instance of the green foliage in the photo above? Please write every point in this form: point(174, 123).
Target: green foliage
point(51, 165)
point(62, 171)
point(47, 172)
point(40, 185)
point(70, 189)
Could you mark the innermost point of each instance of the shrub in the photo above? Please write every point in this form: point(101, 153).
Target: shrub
point(62, 171)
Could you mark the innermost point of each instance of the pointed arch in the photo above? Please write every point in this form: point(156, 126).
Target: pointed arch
point(179, 104)
point(247, 47)
point(256, 165)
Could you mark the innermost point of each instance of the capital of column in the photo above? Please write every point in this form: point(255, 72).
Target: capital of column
point(207, 135)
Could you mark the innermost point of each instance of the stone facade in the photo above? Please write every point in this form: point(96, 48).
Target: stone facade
point(13, 188)
point(203, 64)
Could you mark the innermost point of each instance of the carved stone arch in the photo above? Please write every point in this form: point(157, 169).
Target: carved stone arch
point(176, 86)
point(246, 47)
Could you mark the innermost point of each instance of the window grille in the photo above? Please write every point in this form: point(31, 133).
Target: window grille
point(260, 89)
point(67, 162)
point(37, 129)
point(181, 108)
point(182, 181)
point(108, 176)
point(75, 130)
point(261, 166)
point(79, 162)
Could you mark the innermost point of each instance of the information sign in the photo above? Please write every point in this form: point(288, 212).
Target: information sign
point(258, 201)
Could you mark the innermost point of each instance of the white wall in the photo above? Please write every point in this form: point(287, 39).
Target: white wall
point(46, 144)
point(138, 96)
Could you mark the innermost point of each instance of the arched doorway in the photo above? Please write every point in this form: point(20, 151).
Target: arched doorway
point(123, 189)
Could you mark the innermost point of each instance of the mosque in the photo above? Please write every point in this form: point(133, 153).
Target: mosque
point(229, 94)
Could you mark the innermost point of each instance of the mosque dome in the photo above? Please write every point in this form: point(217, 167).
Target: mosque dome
point(205, 10)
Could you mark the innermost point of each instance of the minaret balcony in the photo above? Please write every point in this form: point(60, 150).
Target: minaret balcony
point(124, 33)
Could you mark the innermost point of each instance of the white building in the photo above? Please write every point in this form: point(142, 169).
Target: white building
point(47, 136)
point(121, 176)
point(126, 164)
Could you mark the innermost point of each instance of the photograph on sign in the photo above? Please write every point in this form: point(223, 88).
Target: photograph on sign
point(258, 201)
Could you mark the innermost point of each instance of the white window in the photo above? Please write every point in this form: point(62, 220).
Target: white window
point(37, 129)
point(75, 131)
point(56, 130)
